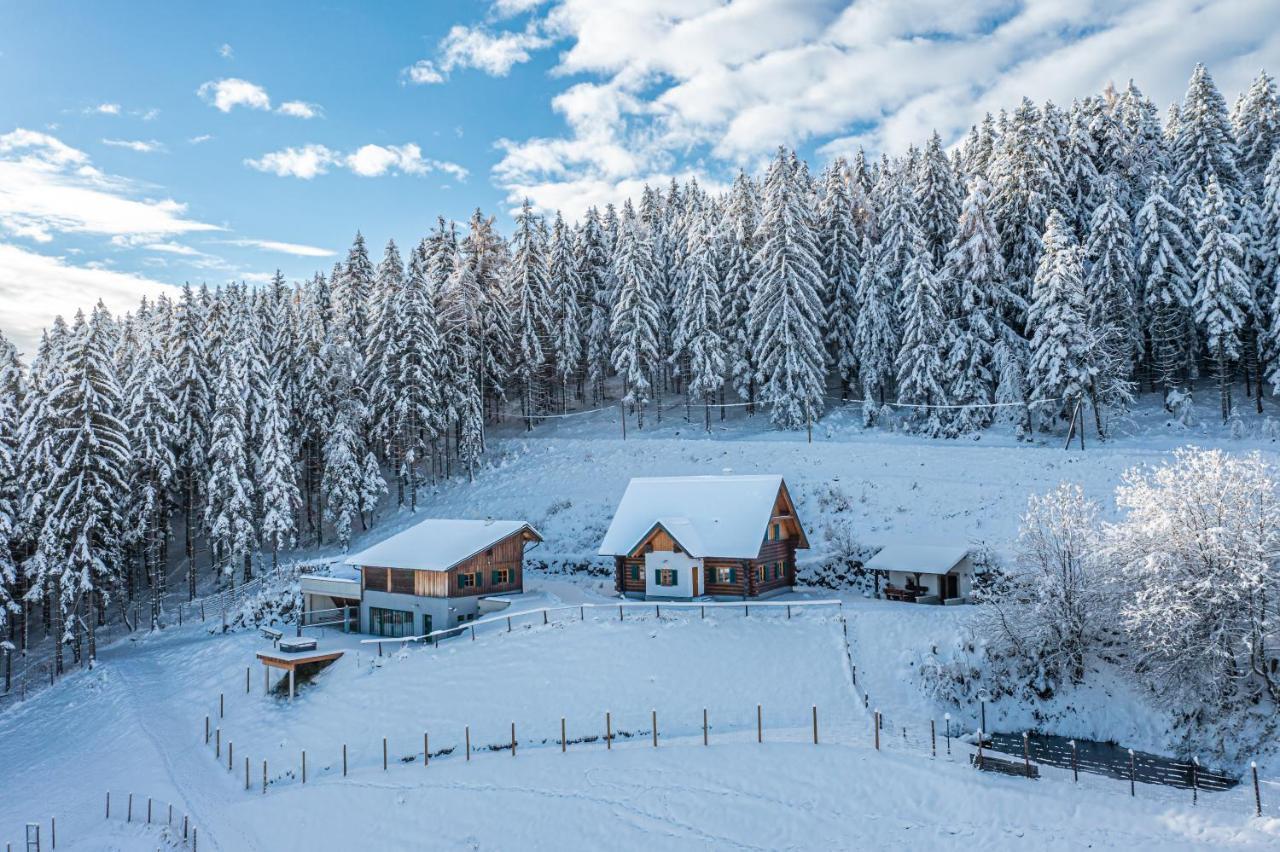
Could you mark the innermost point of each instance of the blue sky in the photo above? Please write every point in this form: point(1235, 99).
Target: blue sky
point(143, 144)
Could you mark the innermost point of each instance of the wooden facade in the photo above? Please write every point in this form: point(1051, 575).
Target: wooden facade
point(774, 566)
point(497, 570)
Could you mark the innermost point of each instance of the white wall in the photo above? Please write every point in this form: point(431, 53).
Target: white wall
point(684, 566)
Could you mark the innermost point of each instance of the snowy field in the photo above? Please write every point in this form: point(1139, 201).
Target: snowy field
point(136, 722)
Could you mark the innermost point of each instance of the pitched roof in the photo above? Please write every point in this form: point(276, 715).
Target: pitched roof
point(724, 516)
point(437, 544)
point(925, 558)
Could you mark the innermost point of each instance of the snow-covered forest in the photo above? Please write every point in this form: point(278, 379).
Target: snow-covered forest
point(1058, 259)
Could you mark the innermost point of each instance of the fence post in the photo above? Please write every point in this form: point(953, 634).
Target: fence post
point(148, 810)
point(875, 725)
point(264, 777)
point(1026, 752)
point(221, 705)
point(947, 718)
point(544, 616)
point(128, 815)
point(246, 776)
point(979, 748)
point(108, 804)
point(206, 730)
point(384, 754)
point(217, 743)
point(231, 750)
point(246, 680)
point(473, 633)
point(344, 760)
point(186, 821)
point(426, 750)
point(620, 612)
point(608, 729)
point(562, 742)
point(704, 726)
point(53, 832)
point(195, 838)
point(1075, 764)
point(508, 624)
point(1195, 792)
point(815, 724)
point(654, 717)
point(759, 724)
point(1257, 792)
point(468, 742)
point(1132, 787)
point(933, 738)
point(304, 766)
point(513, 739)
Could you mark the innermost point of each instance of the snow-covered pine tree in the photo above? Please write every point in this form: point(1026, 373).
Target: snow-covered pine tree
point(387, 340)
point(738, 286)
point(1080, 171)
point(565, 290)
point(975, 270)
point(343, 480)
point(634, 326)
point(838, 236)
point(875, 338)
point(899, 221)
point(191, 395)
point(12, 382)
point(277, 477)
point(919, 364)
point(1110, 293)
point(591, 259)
point(153, 424)
point(937, 195)
point(1061, 370)
point(78, 561)
point(1257, 129)
point(1164, 281)
point(527, 276)
point(785, 317)
point(1021, 184)
point(1204, 147)
point(1147, 152)
point(352, 297)
point(1222, 295)
point(698, 343)
point(229, 490)
point(416, 414)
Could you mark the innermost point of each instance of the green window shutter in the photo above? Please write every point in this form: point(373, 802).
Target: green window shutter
point(675, 577)
point(733, 575)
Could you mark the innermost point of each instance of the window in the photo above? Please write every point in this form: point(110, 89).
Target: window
point(500, 576)
point(777, 532)
point(467, 581)
point(727, 576)
point(635, 573)
point(390, 622)
point(401, 582)
point(760, 573)
point(426, 624)
point(667, 577)
point(375, 578)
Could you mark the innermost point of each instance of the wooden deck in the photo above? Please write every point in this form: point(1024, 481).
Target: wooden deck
point(290, 662)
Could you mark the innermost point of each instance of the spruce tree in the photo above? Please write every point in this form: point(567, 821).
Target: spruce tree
point(919, 364)
point(527, 275)
point(838, 235)
point(1164, 279)
point(875, 339)
point(565, 290)
point(738, 286)
point(1204, 147)
point(634, 328)
point(698, 342)
point(277, 478)
point(1222, 295)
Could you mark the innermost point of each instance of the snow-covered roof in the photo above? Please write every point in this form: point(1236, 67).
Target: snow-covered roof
point(724, 516)
point(437, 544)
point(925, 558)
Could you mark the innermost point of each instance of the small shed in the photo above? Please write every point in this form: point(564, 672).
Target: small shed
point(924, 573)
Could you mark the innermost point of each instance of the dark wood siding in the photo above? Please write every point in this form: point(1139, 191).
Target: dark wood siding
point(712, 587)
point(507, 554)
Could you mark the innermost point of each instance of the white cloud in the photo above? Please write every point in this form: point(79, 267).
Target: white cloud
point(231, 92)
point(25, 308)
point(299, 109)
point(296, 249)
point(305, 162)
point(201, 139)
point(149, 146)
point(494, 53)
point(148, 114)
point(49, 187)
point(422, 72)
point(508, 8)
point(723, 83)
point(310, 161)
point(105, 109)
point(226, 51)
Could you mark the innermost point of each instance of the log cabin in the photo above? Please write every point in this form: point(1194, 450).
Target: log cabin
point(719, 537)
point(434, 575)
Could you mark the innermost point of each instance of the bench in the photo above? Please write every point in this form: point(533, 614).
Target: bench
point(302, 643)
point(987, 763)
point(271, 633)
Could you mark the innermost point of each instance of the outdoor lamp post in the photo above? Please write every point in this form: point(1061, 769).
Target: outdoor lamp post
point(983, 698)
point(947, 717)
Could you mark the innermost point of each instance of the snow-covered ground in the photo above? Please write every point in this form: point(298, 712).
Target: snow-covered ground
point(135, 724)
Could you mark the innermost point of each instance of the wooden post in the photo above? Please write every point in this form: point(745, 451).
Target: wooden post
point(875, 726)
point(221, 705)
point(266, 680)
point(217, 743)
point(426, 750)
point(264, 778)
point(291, 684)
point(622, 410)
point(1132, 790)
point(1195, 792)
point(815, 724)
point(468, 742)
point(379, 649)
point(508, 624)
point(53, 832)
point(384, 754)
point(759, 724)
point(186, 821)
point(654, 717)
point(979, 748)
point(582, 613)
point(148, 810)
point(246, 680)
point(563, 745)
point(608, 731)
point(169, 821)
point(933, 738)
point(206, 730)
point(544, 616)
point(344, 760)
point(128, 814)
point(231, 749)
point(788, 612)
point(473, 633)
point(1075, 765)
point(704, 611)
point(513, 739)
point(246, 783)
point(620, 612)
point(304, 766)
point(1026, 753)
point(195, 838)
point(704, 726)
point(108, 804)
point(1257, 792)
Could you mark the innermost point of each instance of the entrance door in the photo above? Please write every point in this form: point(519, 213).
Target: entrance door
point(426, 624)
point(951, 586)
